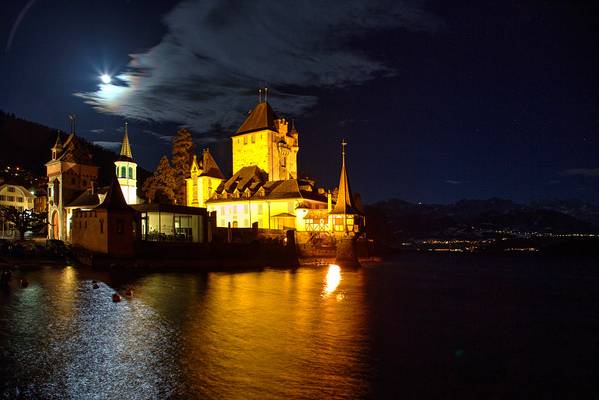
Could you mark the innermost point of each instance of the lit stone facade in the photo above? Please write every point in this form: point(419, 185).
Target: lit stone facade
point(266, 142)
point(69, 172)
point(265, 191)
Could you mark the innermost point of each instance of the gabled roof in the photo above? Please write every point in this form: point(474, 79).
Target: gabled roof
point(75, 151)
point(114, 199)
point(210, 167)
point(243, 178)
point(260, 118)
point(88, 199)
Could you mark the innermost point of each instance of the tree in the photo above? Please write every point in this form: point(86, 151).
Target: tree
point(23, 221)
point(160, 187)
point(183, 150)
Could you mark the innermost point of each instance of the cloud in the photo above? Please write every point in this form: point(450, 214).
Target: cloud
point(99, 130)
point(453, 182)
point(115, 146)
point(159, 136)
point(204, 72)
point(581, 172)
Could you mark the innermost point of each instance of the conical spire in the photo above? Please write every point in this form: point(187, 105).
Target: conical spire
point(125, 147)
point(345, 200)
point(58, 143)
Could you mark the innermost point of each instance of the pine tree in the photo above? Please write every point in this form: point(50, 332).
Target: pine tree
point(183, 150)
point(160, 187)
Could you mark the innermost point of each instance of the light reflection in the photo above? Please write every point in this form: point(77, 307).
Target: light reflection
point(332, 280)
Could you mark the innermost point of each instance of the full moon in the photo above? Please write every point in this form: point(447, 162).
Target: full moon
point(105, 78)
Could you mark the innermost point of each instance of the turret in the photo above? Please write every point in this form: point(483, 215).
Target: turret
point(57, 148)
point(126, 170)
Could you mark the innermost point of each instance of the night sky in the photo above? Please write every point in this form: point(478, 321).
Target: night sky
point(438, 100)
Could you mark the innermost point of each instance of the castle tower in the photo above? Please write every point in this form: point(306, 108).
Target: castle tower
point(70, 171)
point(126, 170)
point(265, 141)
point(347, 217)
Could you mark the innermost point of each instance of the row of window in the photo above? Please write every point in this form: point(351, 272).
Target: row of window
point(122, 173)
point(12, 198)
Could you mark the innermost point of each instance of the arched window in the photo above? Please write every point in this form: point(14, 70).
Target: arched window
point(130, 173)
point(123, 172)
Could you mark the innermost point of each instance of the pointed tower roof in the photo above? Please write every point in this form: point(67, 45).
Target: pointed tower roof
point(210, 167)
point(58, 143)
point(195, 167)
point(260, 118)
point(126, 147)
point(114, 199)
point(345, 200)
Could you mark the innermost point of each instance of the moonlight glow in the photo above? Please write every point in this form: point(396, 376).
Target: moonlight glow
point(105, 78)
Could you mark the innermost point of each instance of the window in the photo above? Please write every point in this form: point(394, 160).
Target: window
point(101, 226)
point(130, 173)
point(245, 139)
point(123, 172)
point(19, 199)
point(73, 181)
point(10, 198)
point(120, 225)
point(11, 189)
point(2, 198)
point(253, 138)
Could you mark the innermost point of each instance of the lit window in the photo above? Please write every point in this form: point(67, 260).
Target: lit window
point(130, 173)
point(123, 172)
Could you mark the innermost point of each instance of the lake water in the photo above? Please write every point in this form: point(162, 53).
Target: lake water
point(420, 326)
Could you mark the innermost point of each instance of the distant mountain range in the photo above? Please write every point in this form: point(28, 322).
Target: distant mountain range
point(27, 145)
point(395, 220)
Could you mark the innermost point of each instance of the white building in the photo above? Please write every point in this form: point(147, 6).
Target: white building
point(15, 196)
point(126, 171)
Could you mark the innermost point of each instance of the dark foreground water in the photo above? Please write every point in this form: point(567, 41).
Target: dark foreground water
point(418, 327)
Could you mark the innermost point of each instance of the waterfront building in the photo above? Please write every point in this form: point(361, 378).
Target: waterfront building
point(265, 190)
point(111, 227)
point(70, 173)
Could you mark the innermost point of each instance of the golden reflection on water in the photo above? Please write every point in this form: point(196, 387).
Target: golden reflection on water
point(332, 280)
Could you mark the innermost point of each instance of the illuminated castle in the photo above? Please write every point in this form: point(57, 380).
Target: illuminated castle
point(264, 191)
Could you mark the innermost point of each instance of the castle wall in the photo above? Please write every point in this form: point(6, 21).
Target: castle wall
point(253, 149)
